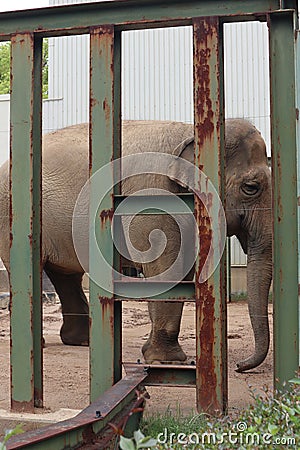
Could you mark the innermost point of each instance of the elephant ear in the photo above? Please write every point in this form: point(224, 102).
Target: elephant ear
point(177, 171)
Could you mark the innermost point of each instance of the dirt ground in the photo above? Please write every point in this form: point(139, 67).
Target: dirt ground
point(66, 367)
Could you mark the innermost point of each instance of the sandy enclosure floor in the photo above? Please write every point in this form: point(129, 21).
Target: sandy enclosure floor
point(66, 377)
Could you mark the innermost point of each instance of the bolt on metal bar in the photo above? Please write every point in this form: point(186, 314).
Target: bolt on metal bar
point(284, 171)
point(211, 342)
point(25, 223)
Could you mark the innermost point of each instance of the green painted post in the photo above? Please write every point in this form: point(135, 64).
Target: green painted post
point(25, 255)
point(284, 170)
point(211, 341)
point(298, 153)
point(105, 315)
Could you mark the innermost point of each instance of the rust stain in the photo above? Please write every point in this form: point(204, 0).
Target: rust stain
point(205, 302)
point(202, 210)
point(107, 307)
point(107, 109)
point(204, 32)
point(105, 215)
point(205, 364)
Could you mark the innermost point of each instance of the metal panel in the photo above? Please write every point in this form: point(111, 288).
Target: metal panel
point(25, 203)
point(284, 170)
point(246, 59)
point(211, 341)
point(104, 128)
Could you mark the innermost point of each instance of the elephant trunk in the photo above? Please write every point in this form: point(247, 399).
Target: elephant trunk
point(259, 277)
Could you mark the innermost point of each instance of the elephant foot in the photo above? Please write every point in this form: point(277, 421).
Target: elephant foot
point(74, 332)
point(163, 352)
point(71, 340)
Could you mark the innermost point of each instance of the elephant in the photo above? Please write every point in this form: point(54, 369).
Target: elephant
point(248, 199)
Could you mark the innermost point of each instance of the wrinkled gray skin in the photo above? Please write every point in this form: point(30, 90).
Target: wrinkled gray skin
point(248, 215)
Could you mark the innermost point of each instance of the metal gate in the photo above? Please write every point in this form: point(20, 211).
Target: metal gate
point(105, 22)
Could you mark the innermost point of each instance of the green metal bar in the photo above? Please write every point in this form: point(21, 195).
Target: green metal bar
point(211, 342)
point(102, 151)
point(117, 191)
point(76, 19)
point(37, 222)
point(284, 171)
point(228, 267)
point(164, 374)
point(154, 204)
point(171, 291)
point(25, 210)
point(298, 152)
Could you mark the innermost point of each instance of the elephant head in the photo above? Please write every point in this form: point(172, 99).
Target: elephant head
point(248, 216)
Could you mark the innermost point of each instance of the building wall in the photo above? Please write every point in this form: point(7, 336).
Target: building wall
point(4, 127)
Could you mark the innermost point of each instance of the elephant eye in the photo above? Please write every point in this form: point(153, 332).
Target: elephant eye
point(250, 188)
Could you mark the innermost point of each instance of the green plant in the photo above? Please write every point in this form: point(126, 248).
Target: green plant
point(269, 422)
point(9, 434)
point(138, 441)
point(5, 68)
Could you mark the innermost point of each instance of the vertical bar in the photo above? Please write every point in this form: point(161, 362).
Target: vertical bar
point(103, 136)
point(228, 256)
point(25, 223)
point(284, 170)
point(211, 343)
point(298, 151)
point(117, 64)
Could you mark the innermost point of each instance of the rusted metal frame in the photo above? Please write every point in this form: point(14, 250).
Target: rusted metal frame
point(105, 333)
point(25, 223)
point(165, 375)
point(284, 172)
point(76, 19)
point(211, 342)
point(86, 427)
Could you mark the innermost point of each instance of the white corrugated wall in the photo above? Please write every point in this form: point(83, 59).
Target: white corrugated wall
point(157, 80)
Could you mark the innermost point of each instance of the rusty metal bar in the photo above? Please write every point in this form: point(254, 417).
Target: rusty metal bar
point(77, 19)
point(166, 374)
point(25, 224)
point(284, 171)
point(105, 333)
point(84, 429)
point(211, 342)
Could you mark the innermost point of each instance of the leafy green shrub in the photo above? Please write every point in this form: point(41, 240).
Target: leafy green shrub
point(9, 434)
point(270, 422)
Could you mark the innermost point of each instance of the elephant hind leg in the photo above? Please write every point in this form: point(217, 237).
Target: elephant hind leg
point(75, 308)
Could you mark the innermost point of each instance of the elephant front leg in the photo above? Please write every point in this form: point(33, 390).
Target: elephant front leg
point(162, 345)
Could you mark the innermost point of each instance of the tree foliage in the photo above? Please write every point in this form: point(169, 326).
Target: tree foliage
point(5, 68)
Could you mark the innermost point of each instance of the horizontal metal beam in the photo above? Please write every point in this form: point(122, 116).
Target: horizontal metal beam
point(128, 14)
point(165, 374)
point(183, 291)
point(87, 424)
point(154, 204)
